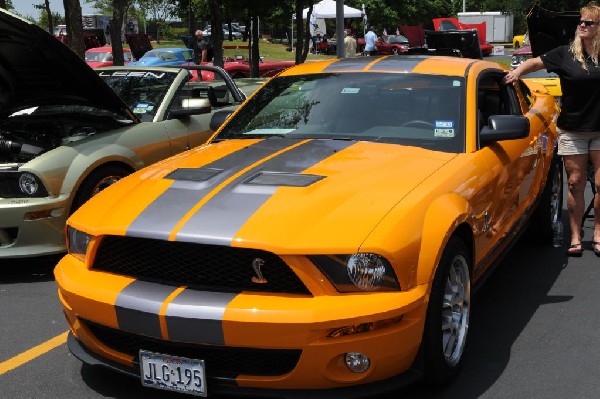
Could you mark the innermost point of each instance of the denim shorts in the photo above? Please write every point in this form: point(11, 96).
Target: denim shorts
point(577, 143)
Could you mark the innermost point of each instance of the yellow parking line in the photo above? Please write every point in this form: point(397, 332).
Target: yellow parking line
point(32, 353)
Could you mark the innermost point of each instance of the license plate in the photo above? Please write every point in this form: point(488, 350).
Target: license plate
point(173, 373)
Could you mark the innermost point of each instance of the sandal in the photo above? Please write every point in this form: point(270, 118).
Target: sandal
point(595, 247)
point(577, 250)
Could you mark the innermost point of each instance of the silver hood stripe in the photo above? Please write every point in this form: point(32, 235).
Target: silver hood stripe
point(222, 216)
point(138, 306)
point(197, 316)
point(161, 216)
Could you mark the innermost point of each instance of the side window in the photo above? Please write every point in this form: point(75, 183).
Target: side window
point(526, 95)
point(495, 98)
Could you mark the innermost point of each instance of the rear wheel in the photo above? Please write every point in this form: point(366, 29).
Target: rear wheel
point(395, 51)
point(448, 313)
point(550, 207)
point(97, 181)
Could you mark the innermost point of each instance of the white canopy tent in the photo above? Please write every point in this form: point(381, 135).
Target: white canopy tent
point(327, 9)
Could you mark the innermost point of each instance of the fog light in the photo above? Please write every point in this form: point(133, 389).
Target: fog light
point(357, 362)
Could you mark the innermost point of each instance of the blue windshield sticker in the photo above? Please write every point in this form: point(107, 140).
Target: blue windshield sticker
point(350, 90)
point(443, 128)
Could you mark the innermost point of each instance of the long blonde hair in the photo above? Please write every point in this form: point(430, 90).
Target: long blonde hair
point(576, 46)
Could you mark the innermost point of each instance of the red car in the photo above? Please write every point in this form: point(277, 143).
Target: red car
point(241, 69)
point(522, 54)
point(99, 57)
point(392, 44)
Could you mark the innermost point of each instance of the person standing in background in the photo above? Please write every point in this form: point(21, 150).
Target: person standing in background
point(578, 124)
point(202, 46)
point(370, 38)
point(349, 45)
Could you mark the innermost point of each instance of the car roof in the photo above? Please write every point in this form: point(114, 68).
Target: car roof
point(37, 69)
point(434, 65)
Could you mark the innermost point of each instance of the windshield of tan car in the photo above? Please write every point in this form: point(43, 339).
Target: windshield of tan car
point(142, 91)
point(426, 111)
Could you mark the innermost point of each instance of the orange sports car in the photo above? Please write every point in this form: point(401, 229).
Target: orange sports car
point(326, 241)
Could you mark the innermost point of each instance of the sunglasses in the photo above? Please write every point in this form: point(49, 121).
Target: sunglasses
point(588, 22)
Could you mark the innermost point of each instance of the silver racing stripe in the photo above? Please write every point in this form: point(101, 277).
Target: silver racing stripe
point(161, 216)
point(197, 316)
point(138, 306)
point(222, 216)
point(407, 64)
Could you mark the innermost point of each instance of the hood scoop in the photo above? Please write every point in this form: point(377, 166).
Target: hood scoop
point(194, 174)
point(283, 179)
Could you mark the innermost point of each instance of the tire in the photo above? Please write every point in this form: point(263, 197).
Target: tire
point(447, 321)
point(395, 51)
point(97, 181)
point(549, 209)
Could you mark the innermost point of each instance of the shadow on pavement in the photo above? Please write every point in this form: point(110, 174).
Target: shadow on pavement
point(501, 309)
point(23, 270)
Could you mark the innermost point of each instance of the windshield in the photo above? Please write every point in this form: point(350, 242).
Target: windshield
point(142, 91)
point(98, 56)
point(411, 109)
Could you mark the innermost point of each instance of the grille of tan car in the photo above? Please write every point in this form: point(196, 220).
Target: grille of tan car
point(199, 266)
point(220, 361)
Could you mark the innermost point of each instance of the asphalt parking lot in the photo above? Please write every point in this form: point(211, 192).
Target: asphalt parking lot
point(534, 334)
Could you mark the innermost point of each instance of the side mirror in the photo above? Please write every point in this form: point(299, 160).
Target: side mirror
point(192, 106)
point(218, 119)
point(505, 127)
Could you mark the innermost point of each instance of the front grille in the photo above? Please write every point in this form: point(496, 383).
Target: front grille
point(220, 361)
point(201, 266)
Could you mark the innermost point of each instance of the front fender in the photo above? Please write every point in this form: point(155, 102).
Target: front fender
point(92, 158)
point(442, 218)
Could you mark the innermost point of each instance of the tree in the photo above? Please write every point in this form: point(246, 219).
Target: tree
point(116, 31)
point(160, 11)
point(73, 19)
point(303, 31)
point(216, 22)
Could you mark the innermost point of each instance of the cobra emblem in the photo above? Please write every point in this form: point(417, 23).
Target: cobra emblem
point(257, 264)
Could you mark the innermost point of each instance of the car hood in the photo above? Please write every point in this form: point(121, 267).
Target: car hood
point(280, 193)
point(37, 69)
point(550, 29)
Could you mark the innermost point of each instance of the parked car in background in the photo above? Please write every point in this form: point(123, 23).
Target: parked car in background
point(165, 56)
point(235, 34)
point(392, 44)
point(519, 41)
point(520, 55)
point(549, 80)
point(328, 238)
point(451, 24)
point(99, 57)
point(241, 69)
point(67, 131)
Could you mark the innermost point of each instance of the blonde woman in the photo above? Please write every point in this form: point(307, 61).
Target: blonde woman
point(579, 120)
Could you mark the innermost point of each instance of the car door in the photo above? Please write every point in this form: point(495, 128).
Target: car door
point(512, 163)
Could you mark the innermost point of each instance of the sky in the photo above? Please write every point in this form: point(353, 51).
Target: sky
point(25, 7)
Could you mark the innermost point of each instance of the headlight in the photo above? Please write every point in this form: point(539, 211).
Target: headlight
point(358, 272)
point(21, 185)
point(78, 242)
point(28, 184)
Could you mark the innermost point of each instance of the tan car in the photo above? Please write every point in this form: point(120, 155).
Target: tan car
point(65, 134)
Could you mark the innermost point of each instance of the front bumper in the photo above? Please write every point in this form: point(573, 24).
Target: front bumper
point(33, 226)
point(361, 391)
point(261, 324)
